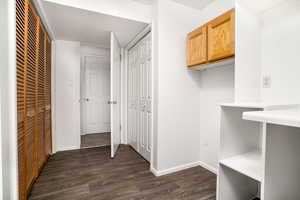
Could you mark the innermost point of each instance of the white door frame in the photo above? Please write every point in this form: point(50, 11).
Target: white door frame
point(140, 36)
point(82, 85)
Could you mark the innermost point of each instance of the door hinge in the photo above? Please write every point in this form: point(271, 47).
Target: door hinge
point(120, 57)
point(120, 127)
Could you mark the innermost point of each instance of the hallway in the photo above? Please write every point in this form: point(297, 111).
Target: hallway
point(90, 174)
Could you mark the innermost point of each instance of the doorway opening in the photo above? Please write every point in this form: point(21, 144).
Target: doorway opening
point(93, 59)
point(95, 96)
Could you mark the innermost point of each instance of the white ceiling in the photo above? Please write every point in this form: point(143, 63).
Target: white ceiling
point(75, 24)
point(260, 5)
point(148, 2)
point(198, 4)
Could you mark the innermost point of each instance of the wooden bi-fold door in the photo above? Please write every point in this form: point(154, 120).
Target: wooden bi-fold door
point(33, 60)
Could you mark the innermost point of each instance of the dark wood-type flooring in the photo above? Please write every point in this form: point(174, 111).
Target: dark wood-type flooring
point(90, 174)
point(95, 140)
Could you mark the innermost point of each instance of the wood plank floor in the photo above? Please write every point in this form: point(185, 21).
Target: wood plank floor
point(90, 174)
point(95, 140)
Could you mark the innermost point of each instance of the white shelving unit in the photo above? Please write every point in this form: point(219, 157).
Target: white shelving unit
point(241, 158)
point(249, 164)
point(259, 154)
point(280, 155)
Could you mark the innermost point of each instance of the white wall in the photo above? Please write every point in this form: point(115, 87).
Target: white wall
point(247, 53)
point(186, 130)
point(280, 52)
point(216, 86)
point(8, 145)
point(125, 8)
point(177, 113)
point(91, 50)
point(67, 95)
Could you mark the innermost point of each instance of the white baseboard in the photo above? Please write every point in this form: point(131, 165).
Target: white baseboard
point(208, 167)
point(67, 149)
point(154, 171)
point(173, 169)
point(183, 167)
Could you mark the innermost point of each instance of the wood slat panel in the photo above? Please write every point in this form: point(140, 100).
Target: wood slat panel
point(21, 38)
point(22, 169)
point(48, 132)
point(30, 97)
point(40, 137)
point(33, 58)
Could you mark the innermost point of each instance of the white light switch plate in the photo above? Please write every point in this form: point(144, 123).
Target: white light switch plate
point(267, 82)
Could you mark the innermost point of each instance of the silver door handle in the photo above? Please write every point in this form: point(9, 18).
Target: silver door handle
point(112, 102)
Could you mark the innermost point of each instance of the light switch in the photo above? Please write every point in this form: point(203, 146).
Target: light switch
point(267, 82)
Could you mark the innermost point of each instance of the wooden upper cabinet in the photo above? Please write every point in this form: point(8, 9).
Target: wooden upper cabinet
point(221, 36)
point(212, 42)
point(197, 47)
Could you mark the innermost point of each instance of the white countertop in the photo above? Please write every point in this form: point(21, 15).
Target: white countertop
point(287, 117)
point(259, 105)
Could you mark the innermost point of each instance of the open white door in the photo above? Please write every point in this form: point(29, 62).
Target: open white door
point(115, 96)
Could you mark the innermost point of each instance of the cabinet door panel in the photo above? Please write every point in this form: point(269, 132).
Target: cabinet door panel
point(221, 37)
point(197, 47)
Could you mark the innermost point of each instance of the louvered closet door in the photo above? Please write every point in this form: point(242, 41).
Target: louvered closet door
point(40, 133)
point(30, 94)
point(33, 59)
point(48, 135)
point(21, 29)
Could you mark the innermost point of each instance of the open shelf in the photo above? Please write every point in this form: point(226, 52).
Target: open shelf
point(249, 164)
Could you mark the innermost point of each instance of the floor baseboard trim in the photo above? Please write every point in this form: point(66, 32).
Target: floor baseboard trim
point(173, 169)
point(183, 167)
point(67, 149)
point(208, 167)
point(154, 171)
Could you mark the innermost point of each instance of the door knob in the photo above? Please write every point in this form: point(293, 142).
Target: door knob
point(87, 99)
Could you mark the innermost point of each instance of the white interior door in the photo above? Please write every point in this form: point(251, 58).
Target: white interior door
point(133, 98)
point(96, 94)
point(140, 97)
point(115, 100)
